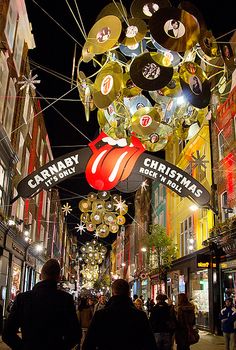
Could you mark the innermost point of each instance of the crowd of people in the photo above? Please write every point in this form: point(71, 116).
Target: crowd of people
point(46, 318)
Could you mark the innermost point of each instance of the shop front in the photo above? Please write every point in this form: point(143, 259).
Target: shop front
point(156, 287)
point(228, 280)
point(195, 278)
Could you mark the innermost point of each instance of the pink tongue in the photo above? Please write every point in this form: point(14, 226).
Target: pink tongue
point(109, 165)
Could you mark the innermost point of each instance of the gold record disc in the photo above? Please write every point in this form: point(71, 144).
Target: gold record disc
point(228, 56)
point(120, 220)
point(92, 196)
point(145, 121)
point(98, 205)
point(102, 231)
point(134, 32)
point(149, 75)
point(173, 88)
point(159, 139)
point(114, 228)
point(85, 205)
point(194, 11)
point(115, 9)
point(103, 35)
point(96, 217)
point(90, 226)
point(208, 43)
point(87, 52)
point(85, 217)
point(110, 218)
point(104, 195)
point(174, 29)
point(145, 9)
point(108, 85)
point(129, 88)
point(109, 206)
point(195, 85)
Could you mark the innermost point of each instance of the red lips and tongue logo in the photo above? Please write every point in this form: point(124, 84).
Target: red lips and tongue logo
point(111, 164)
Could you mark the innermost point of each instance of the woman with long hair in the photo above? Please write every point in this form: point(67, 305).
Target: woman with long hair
point(185, 322)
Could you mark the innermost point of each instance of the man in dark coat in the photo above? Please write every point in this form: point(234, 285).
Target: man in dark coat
point(163, 323)
point(119, 325)
point(46, 316)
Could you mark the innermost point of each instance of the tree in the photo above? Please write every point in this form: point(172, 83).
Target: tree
point(160, 251)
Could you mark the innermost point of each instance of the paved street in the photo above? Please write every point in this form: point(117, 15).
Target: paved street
point(207, 342)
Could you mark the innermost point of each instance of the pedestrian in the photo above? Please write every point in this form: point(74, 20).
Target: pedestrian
point(135, 296)
point(185, 322)
point(101, 303)
point(119, 325)
point(138, 303)
point(85, 314)
point(45, 315)
point(9, 306)
point(163, 323)
point(228, 319)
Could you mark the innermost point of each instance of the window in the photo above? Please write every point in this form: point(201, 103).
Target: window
point(38, 141)
point(221, 145)
point(10, 25)
point(26, 163)
point(20, 152)
point(9, 111)
point(224, 206)
point(3, 184)
point(161, 193)
point(156, 196)
point(30, 120)
point(18, 48)
point(161, 219)
point(41, 152)
point(186, 236)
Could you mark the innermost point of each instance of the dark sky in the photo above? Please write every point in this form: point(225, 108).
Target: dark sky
point(54, 50)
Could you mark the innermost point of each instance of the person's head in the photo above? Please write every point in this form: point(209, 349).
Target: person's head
point(182, 299)
point(102, 299)
point(229, 302)
point(138, 303)
point(120, 287)
point(135, 297)
point(175, 23)
point(90, 301)
point(161, 298)
point(51, 270)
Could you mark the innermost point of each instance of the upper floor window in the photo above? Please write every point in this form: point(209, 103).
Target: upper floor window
point(9, 109)
point(221, 143)
point(10, 27)
point(3, 185)
point(186, 236)
point(224, 206)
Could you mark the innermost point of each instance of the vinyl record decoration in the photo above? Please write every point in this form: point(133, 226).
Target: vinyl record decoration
point(194, 84)
point(174, 29)
point(104, 213)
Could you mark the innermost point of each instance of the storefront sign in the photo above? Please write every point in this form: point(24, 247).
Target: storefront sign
point(107, 163)
point(204, 261)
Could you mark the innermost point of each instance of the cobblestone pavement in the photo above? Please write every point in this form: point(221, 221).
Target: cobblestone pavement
point(207, 342)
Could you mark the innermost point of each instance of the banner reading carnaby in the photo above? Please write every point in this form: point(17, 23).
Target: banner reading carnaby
point(107, 163)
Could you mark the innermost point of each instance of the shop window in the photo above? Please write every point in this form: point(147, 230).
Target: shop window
point(199, 293)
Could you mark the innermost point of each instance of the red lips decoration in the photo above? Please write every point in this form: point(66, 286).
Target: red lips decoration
point(111, 164)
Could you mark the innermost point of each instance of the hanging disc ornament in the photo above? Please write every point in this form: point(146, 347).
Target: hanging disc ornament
point(85, 205)
point(102, 231)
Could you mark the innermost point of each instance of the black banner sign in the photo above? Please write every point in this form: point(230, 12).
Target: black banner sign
point(54, 172)
point(74, 163)
point(173, 177)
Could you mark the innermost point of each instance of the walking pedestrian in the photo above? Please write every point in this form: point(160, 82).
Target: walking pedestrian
point(185, 322)
point(163, 323)
point(138, 303)
point(101, 303)
point(46, 316)
point(119, 325)
point(228, 319)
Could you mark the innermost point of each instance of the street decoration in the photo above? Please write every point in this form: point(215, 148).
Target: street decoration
point(103, 213)
point(107, 165)
point(66, 208)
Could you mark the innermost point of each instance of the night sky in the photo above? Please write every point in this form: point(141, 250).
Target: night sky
point(54, 50)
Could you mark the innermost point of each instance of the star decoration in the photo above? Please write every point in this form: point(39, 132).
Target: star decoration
point(96, 235)
point(144, 185)
point(28, 82)
point(66, 208)
point(120, 205)
point(80, 228)
point(198, 161)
